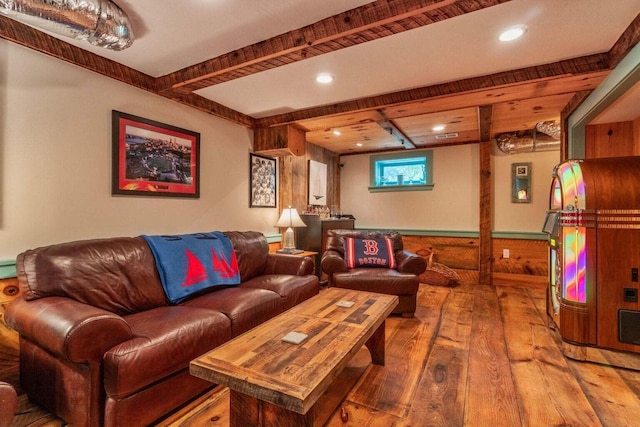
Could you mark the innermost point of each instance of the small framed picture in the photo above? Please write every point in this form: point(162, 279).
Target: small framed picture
point(262, 190)
point(522, 170)
point(153, 159)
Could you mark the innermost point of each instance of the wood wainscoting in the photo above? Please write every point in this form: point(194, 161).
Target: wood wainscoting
point(527, 262)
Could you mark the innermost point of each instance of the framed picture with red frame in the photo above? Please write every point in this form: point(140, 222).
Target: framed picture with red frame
point(154, 159)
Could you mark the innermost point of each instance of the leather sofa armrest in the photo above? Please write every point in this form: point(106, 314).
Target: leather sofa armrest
point(289, 264)
point(409, 262)
point(332, 262)
point(68, 328)
point(8, 403)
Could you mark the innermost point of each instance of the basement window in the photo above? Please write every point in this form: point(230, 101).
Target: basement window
point(401, 171)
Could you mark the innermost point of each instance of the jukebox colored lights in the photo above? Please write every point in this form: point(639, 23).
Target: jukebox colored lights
point(574, 272)
point(574, 281)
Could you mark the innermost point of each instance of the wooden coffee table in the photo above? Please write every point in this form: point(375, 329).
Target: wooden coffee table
point(277, 383)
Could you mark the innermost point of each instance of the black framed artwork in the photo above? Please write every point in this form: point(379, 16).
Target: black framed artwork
point(262, 187)
point(153, 159)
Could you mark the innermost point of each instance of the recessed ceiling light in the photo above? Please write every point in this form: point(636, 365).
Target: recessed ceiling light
point(324, 78)
point(359, 144)
point(437, 128)
point(512, 33)
point(337, 132)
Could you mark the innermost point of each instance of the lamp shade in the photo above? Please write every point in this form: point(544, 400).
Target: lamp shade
point(290, 218)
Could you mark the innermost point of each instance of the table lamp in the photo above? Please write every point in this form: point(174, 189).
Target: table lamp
point(290, 219)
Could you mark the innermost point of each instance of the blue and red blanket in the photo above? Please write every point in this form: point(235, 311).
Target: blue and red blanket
point(189, 263)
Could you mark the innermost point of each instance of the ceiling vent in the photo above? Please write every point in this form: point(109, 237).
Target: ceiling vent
point(544, 137)
point(447, 135)
point(100, 22)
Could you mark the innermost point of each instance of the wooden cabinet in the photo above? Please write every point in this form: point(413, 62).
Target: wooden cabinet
point(279, 141)
point(313, 237)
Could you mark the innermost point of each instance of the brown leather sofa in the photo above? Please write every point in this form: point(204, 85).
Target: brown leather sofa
point(99, 344)
point(401, 281)
point(8, 403)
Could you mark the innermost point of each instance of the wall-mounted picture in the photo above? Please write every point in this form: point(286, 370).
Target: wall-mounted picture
point(317, 183)
point(154, 159)
point(262, 190)
point(522, 170)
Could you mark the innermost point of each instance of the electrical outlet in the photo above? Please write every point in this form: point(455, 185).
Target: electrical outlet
point(505, 253)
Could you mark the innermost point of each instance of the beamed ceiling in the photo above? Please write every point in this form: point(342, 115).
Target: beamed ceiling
point(468, 84)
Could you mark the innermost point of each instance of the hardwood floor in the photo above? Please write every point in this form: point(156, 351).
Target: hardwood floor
point(472, 356)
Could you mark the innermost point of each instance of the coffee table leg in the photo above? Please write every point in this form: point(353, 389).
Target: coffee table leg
point(375, 344)
point(250, 411)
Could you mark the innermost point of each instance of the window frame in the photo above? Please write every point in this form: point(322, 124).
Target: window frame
point(374, 159)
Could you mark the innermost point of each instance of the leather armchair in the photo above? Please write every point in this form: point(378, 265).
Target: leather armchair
point(401, 281)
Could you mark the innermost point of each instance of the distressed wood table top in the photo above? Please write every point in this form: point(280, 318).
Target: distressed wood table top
point(293, 376)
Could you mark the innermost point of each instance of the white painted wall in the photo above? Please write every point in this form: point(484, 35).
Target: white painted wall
point(453, 203)
point(55, 169)
point(55, 160)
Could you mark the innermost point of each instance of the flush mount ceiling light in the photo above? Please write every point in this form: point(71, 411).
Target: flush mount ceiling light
point(359, 144)
point(512, 33)
point(324, 78)
point(337, 132)
point(437, 128)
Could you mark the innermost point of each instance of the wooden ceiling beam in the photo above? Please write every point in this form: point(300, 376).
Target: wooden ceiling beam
point(539, 74)
point(625, 42)
point(360, 25)
point(395, 131)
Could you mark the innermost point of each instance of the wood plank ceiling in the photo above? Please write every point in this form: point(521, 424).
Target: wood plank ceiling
point(513, 101)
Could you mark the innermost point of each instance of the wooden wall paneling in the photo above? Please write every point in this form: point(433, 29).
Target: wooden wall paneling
point(454, 252)
point(610, 140)
point(293, 176)
point(527, 264)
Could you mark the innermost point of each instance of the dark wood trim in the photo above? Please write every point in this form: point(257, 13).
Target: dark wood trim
point(484, 209)
point(625, 43)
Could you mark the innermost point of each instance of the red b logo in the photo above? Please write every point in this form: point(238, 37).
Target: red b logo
point(370, 247)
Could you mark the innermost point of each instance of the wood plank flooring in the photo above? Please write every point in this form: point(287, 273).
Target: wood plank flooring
point(472, 356)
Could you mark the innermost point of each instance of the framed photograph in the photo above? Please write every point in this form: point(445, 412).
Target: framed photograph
point(262, 189)
point(153, 159)
point(317, 183)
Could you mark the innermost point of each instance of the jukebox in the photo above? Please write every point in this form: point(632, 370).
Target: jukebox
point(593, 223)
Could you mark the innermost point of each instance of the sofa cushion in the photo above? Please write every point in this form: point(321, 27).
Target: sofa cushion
point(369, 252)
point(292, 289)
point(251, 250)
point(166, 340)
point(117, 274)
point(379, 280)
point(245, 307)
